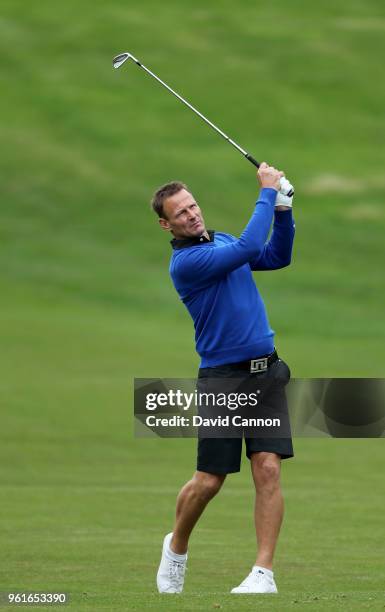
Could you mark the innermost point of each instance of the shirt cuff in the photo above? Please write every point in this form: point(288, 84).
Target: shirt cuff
point(283, 217)
point(268, 195)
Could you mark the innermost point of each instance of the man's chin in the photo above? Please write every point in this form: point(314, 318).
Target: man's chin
point(194, 232)
point(197, 231)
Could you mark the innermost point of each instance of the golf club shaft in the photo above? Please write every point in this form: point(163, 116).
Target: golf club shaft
point(244, 153)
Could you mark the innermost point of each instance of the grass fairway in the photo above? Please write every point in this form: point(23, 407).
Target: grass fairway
point(86, 302)
point(89, 515)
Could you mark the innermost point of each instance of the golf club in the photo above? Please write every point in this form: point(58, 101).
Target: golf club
point(119, 60)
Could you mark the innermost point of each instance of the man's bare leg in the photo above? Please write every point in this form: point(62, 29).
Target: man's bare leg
point(269, 507)
point(191, 501)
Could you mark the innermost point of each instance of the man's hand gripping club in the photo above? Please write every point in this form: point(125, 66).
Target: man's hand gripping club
point(268, 176)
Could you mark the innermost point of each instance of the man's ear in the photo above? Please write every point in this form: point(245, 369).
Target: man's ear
point(164, 224)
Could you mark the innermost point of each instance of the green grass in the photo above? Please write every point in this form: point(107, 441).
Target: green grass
point(87, 304)
point(86, 146)
point(76, 522)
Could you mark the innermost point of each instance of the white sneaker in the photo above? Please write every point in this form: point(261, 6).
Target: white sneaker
point(258, 581)
point(170, 577)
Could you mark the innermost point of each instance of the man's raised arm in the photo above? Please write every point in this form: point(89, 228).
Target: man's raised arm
point(209, 264)
point(277, 252)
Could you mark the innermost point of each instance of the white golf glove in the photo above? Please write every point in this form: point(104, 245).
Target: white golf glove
point(282, 198)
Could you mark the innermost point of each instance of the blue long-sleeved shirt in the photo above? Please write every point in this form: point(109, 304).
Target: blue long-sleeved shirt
point(214, 281)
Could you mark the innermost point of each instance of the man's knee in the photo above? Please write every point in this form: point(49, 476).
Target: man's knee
point(266, 470)
point(207, 485)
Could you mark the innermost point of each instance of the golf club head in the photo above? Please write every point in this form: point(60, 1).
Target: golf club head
point(121, 58)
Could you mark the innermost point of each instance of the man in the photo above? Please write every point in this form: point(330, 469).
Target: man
point(212, 274)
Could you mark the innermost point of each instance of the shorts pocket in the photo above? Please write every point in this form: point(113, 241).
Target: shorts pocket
point(282, 372)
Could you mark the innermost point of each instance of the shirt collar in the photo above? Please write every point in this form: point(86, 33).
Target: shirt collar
point(183, 243)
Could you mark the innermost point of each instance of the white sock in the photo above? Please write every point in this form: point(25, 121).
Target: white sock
point(268, 572)
point(175, 557)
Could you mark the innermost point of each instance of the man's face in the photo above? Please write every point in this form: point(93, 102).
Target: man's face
point(183, 217)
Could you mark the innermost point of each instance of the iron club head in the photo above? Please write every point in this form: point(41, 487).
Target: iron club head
point(121, 58)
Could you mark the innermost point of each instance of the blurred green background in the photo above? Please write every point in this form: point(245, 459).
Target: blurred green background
point(86, 300)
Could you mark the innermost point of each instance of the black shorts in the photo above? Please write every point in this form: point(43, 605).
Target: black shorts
point(222, 455)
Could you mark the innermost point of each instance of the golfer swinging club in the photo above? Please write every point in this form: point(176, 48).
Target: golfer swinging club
point(212, 273)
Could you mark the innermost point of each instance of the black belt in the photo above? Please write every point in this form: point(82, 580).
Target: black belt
point(259, 364)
